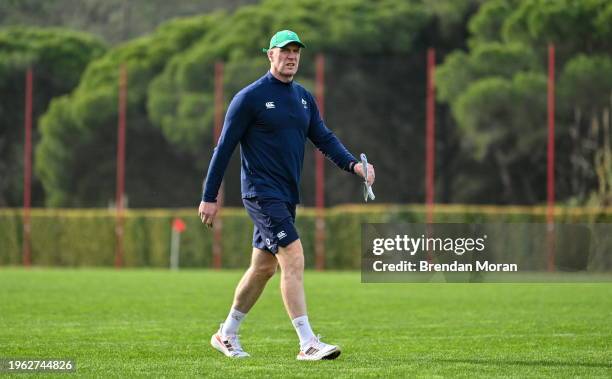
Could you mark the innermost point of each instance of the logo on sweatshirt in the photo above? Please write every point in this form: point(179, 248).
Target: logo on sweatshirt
point(304, 103)
point(270, 105)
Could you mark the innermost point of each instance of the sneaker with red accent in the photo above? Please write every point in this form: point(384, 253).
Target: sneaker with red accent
point(228, 345)
point(315, 350)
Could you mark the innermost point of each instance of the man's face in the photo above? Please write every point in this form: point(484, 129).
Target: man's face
point(285, 60)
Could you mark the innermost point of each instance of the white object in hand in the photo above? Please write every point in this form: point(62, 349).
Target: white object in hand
point(367, 189)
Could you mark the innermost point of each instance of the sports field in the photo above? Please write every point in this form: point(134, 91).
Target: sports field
point(158, 323)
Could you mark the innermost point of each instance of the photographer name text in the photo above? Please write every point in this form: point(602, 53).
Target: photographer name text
point(425, 266)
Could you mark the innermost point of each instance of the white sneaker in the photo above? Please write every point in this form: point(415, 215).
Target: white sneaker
point(228, 345)
point(315, 350)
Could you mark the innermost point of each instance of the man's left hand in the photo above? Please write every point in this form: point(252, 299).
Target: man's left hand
point(359, 171)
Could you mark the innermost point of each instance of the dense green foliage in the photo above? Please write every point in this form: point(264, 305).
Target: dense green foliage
point(158, 323)
point(171, 102)
point(491, 122)
point(84, 123)
point(240, 39)
point(87, 237)
point(57, 57)
point(497, 92)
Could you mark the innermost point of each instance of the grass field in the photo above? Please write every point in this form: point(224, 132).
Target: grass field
point(158, 323)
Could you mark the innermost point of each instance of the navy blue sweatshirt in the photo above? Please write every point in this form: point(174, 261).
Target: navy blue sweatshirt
point(271, 120)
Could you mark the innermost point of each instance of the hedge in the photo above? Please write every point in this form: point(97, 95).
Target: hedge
point(86, 237)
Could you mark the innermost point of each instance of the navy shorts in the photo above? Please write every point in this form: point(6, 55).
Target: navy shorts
point(274, 223)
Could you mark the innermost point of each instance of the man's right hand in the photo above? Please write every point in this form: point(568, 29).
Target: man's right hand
point(207, 213)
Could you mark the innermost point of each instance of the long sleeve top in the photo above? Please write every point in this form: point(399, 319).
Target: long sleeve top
point(271, 120)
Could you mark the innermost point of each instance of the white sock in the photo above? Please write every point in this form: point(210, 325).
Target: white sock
point(232, 322)
point(302, 327)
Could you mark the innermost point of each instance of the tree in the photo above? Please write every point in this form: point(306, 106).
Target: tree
point(497, 93)
point(585, 87)
point(76, 154)
point(57, 57)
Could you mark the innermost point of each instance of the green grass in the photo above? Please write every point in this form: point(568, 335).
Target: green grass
point(158, 323)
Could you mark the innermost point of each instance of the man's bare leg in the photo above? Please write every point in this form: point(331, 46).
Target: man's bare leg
point(291, 261)
point(262, 268)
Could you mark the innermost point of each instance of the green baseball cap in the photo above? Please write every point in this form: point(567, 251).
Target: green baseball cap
point(282, 38)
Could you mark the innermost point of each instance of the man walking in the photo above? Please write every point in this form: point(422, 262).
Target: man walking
point(271, 119)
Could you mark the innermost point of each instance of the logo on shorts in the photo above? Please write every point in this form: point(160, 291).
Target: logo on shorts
point(268, 241)
point(281, 235)
point(270, 105)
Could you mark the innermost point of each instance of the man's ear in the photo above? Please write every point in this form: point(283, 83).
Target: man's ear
point(270, 52)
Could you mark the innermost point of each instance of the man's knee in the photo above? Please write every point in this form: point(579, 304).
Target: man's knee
point(264, 264)
point(291, 259)
point(265, 271)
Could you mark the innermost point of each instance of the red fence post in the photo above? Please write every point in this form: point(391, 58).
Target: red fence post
point(320, 171)
point(550, 171)
point(430, 135)
point(119, 217)
point(218, 225)
point(27, 170)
